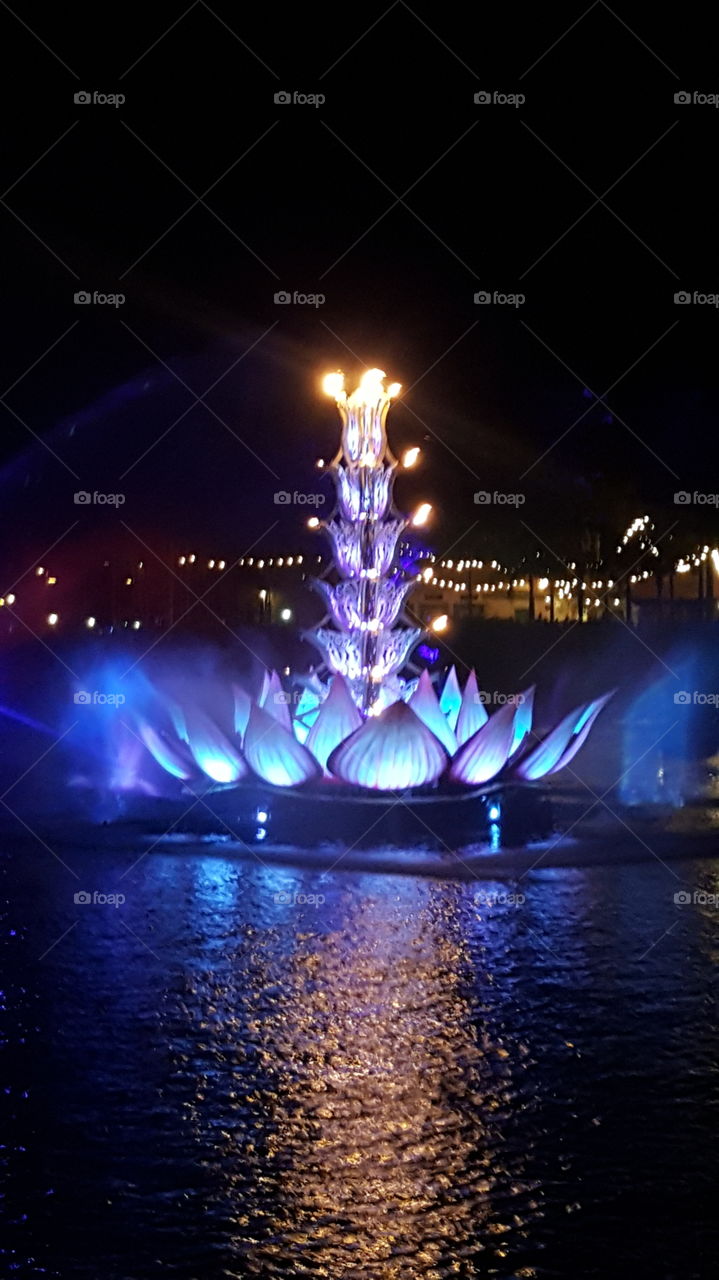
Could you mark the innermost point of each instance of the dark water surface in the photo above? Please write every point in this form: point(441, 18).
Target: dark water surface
point(411, 1078)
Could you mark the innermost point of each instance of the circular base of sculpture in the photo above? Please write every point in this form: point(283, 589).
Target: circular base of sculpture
point(254, 813)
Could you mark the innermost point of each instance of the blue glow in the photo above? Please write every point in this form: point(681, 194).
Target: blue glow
point(495, 813)
point(426, 652)
point(260, 833)
point(261, 815)
point(216, 767)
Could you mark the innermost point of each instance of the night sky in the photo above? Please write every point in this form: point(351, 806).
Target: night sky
point(397, 199)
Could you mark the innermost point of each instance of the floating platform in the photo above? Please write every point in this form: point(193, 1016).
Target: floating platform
point(254, 813)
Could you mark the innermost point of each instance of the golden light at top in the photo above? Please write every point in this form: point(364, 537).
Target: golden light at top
point(371, 388)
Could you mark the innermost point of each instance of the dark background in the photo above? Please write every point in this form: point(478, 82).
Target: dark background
point(490, 189)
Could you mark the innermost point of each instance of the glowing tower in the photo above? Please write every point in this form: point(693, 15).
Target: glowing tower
point(362, 636)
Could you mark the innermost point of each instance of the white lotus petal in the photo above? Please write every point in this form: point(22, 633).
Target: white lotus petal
point(265, 687)
point(242, 702)
point(482, 757)
point(425, 704)
point(338, 718)
point(390, 752)
point(472, 712)
point(562, 744)
point(451, 699)
point(212, 750)
point(276, 702)
point(177, 717)
point(275, 754)
point(172, 756)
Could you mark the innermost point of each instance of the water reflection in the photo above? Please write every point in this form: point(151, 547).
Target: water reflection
point(255, 1071)
point(376, 1099)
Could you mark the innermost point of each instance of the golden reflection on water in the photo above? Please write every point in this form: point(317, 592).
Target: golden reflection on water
point(382, 1101)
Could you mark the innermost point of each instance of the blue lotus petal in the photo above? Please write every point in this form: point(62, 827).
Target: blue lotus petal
point(486, 753)
point(274, 753)
point(562, 744)
point(243, 702)
point(171, 756)
point(451, 698)
point(212, 750)
point(523, 718)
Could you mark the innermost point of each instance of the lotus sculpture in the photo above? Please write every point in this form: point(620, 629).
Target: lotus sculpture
point(418, 740)
point(364, 719)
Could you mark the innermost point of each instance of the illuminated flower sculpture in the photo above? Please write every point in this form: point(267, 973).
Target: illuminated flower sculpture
point(363, 724)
